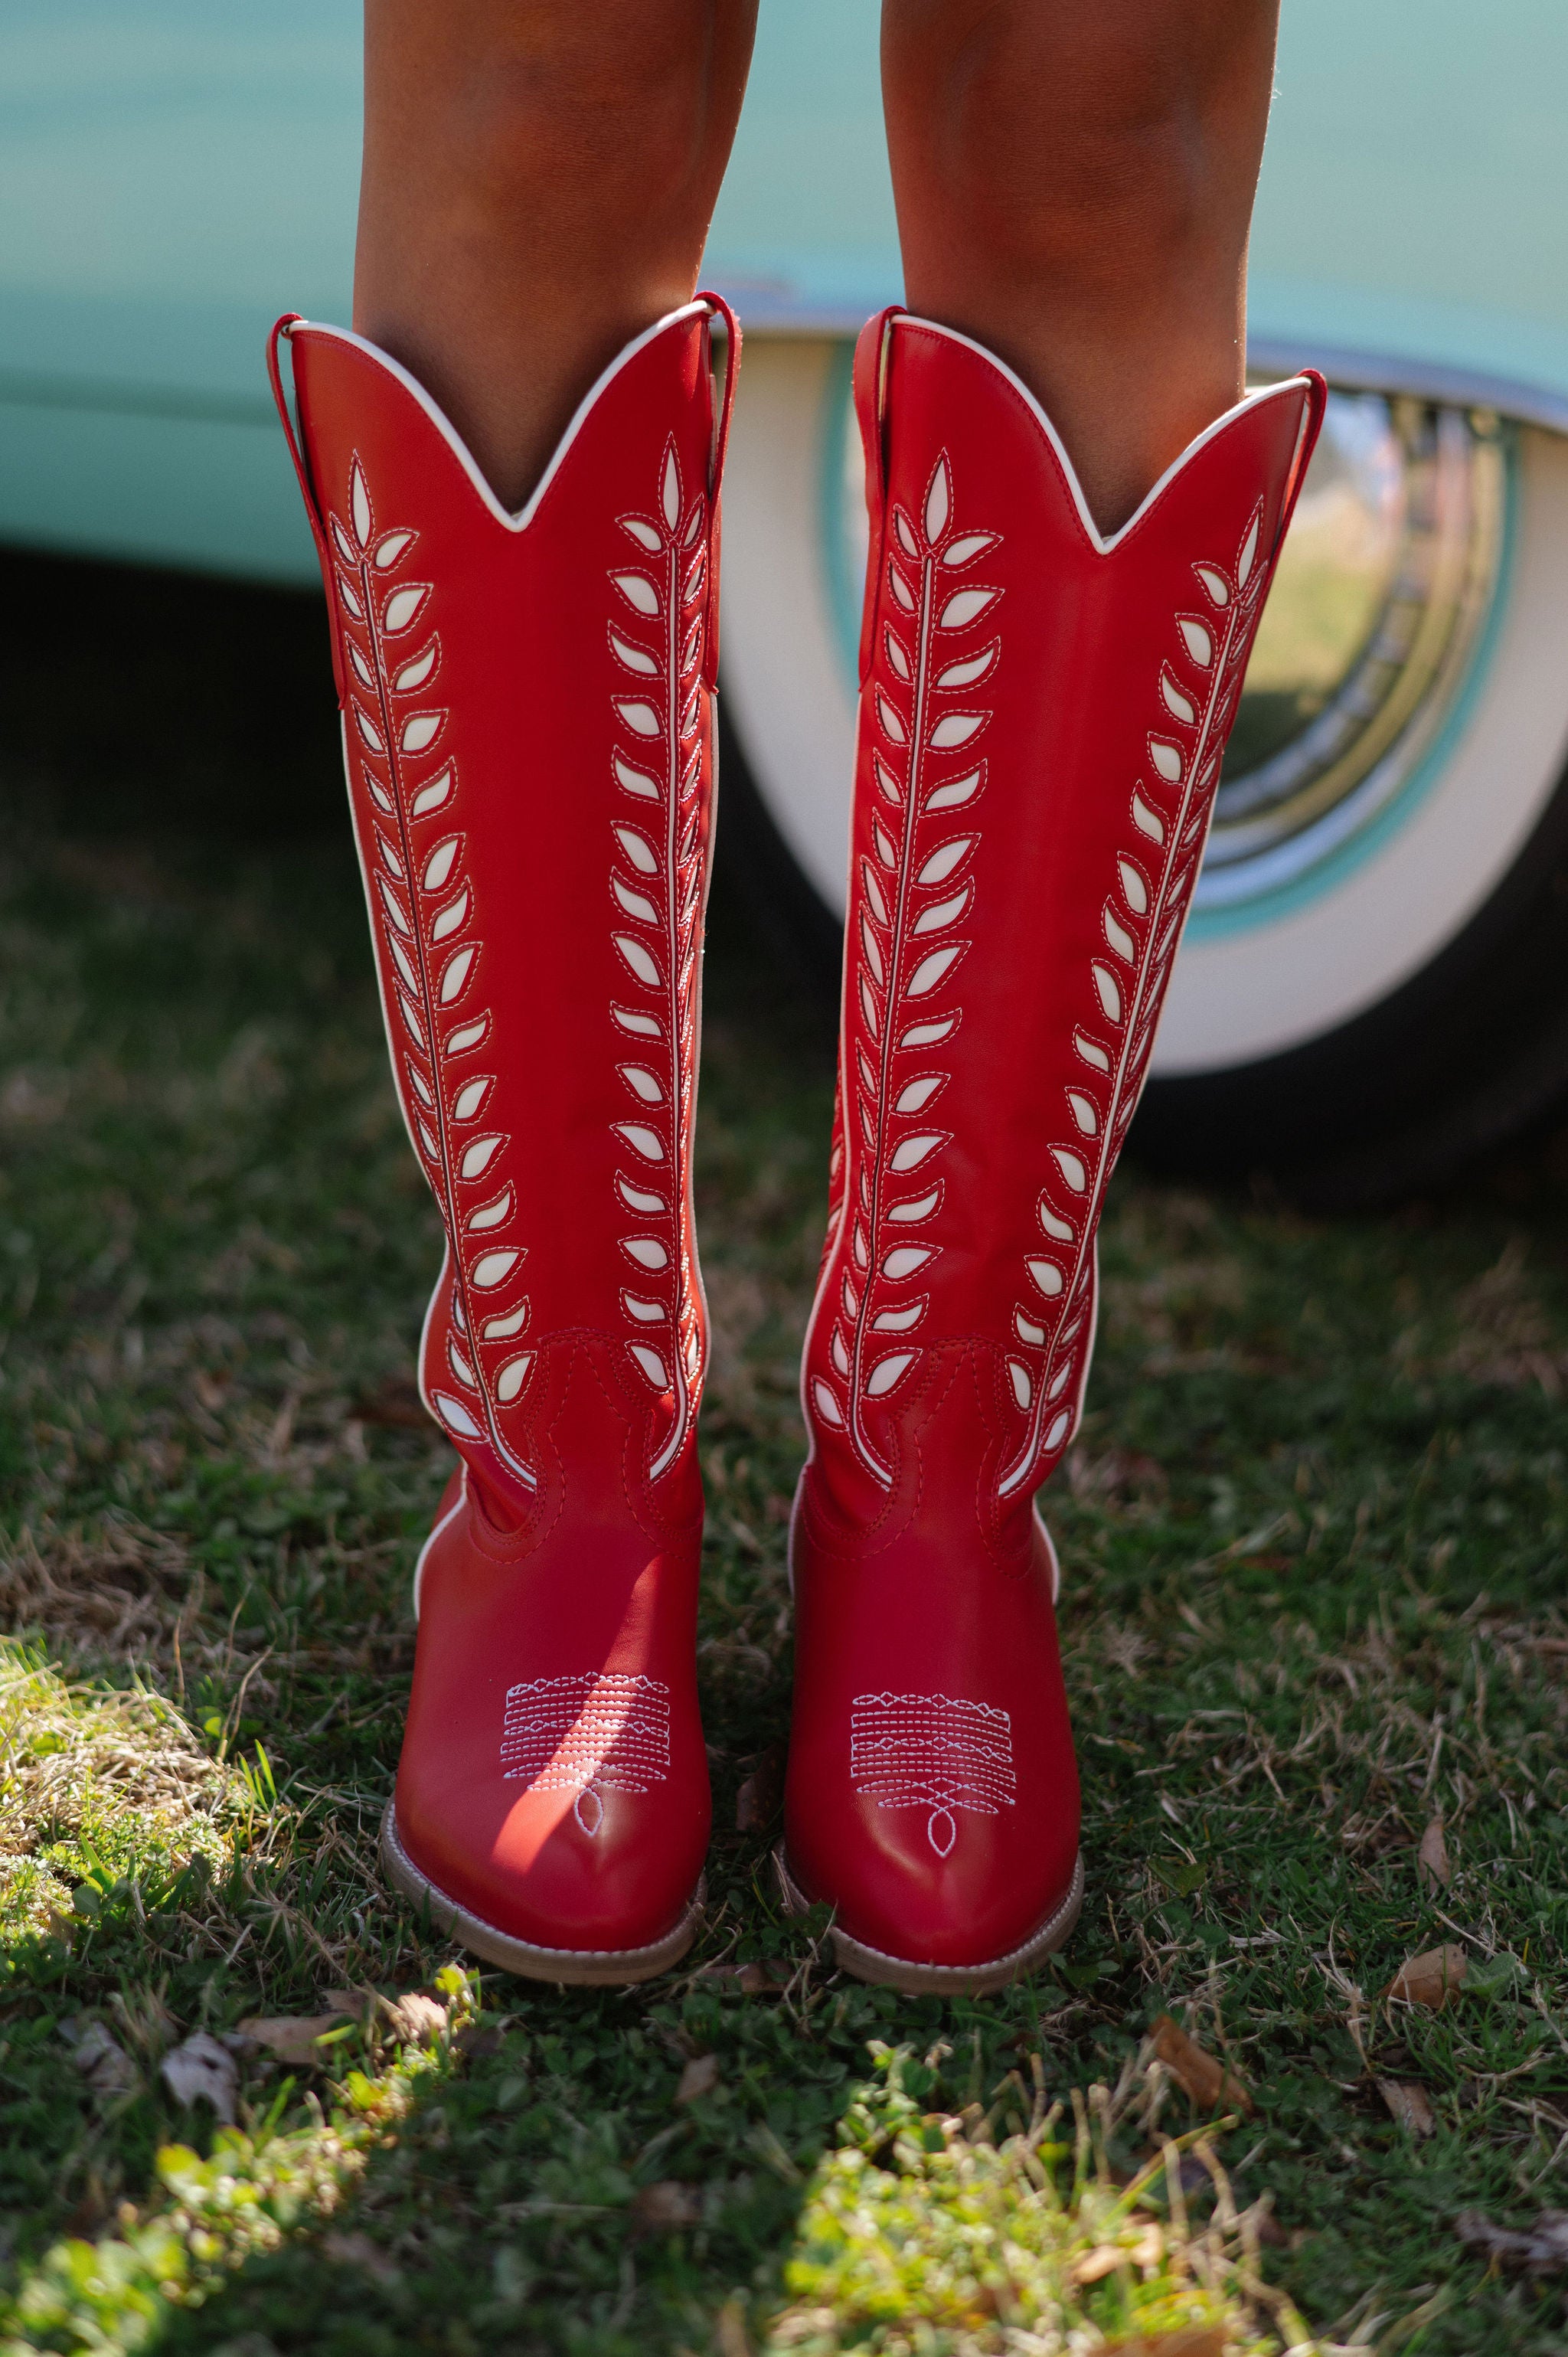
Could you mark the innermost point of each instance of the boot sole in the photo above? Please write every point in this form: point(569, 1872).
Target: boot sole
point(579, 1967)
point(942, 1980)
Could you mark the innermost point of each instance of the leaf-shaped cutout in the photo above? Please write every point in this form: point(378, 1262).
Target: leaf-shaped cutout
point(946, 859)
point(403, 606)
point(501, 1329)
point(918, 1207)
point(642, 1083)
point(872, 953)
point(360, 503)
point(670, 488)
point(902, 593)
point(645, 534)
point(898, 661)
point(1092, 1051)
point(1147, 821)
point(635, 658)
point(1166, 759)
point(892, 791)
point(394, 909)
point(956, 728)
point(964, 607)
point(512, 1377)
point(646, 1142)
point(1117, 935)
point(1134, 890)
point(946, 912)
point(439, 866)
point(471, 1096)
point(900, 1321)
point(459, 1366)
point(907, 541)
point(414, 674)
point(938, 500)
point(956, 793)
point(1109, 992)
point(910, 1152)
point(642, 719)
point(893, 726)
point(638, 849)
point(639, 959)
point(410, 1016)
point(929, 1035)
point(493, 1268)
point(869, 1009)
point(454, 973)
point(431, 797)
point(838, 1353)
point(467, 1036)
point(1062, 1231)
point(646, 1313)
point(360, 667)
point(1215, 583)
point(1026, 1330)
point(426, 1139)
point(1073, 1168)
point(644, 1027)
point(490, 1214)
point(691, 647)
point(636, 782)
point(456, 1417)
point(639, 1198)
point(638, 591)
point(695, 575)
point(478, 1157)
point(1085, 1112)
point(873, 891)
point(646, 1250)
point(390, 859)
point(421, 730)
point(345, 548)
point(919, 1094)
point(931, 970)
point(419, 1084)
point(652, 1364)
point(966, 551)
point(402, 961)
point(1023, 1389)
point(827, 1407)
point(883, 844)
point(972, 668)
point(635, 904)
point(349, 600)
point(1061, 1425)
point(451, 917)
point(368, 729)
point(886, 1371)
point(379, 795)
point(694, 524)
point(391, 547)
point(1047, 1276)
point(1245, 562)
point(858, 1246)
point(1179, 705)
point(1198, 640)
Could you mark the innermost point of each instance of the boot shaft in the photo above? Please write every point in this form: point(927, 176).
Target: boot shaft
point(528, 740)
point(1043, 719)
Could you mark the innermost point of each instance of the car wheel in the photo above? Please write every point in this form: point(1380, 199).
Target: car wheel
point(1373, 986)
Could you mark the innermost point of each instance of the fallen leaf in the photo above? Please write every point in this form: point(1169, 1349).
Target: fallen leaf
point(1434, 1979)
point(417, 2019)
point(700, 2077)
point(1187, 2341)
point(1407, 2102)
point(662, 2208)
point(358, 2250)
point(761, 1791)
point(292, 2037)
point(1210, 2084)
point(1539, 2249)
point(102, 2060)
point(1432, 1858)
point(758, 1979)
point(201, 2070)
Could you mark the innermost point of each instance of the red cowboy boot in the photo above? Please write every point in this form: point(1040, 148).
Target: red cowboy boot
point(528, 725)
point(1043, 719)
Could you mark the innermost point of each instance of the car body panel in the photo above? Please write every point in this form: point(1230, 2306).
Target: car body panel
point(171, 176)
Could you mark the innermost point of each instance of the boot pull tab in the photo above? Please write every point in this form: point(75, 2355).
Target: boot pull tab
point(285, 326)
point(715, 475)
point(873, 367)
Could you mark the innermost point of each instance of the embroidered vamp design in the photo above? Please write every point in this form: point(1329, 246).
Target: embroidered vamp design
point(935, 1752)
point(601, 1732)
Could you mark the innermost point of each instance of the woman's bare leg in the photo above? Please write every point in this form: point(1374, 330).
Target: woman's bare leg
point(539, 177)
point(1074, 182)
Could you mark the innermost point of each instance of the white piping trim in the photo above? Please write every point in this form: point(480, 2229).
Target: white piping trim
point(450, 1516)
point(1098, 541)
point(453, 440)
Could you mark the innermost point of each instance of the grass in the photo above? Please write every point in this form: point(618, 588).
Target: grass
point(1313, 1540)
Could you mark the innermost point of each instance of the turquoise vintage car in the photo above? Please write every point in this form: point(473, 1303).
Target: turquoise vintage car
point(1375, 979)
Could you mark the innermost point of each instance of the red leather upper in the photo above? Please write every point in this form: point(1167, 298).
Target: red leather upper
point(1043, 719)
point(528, 735)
